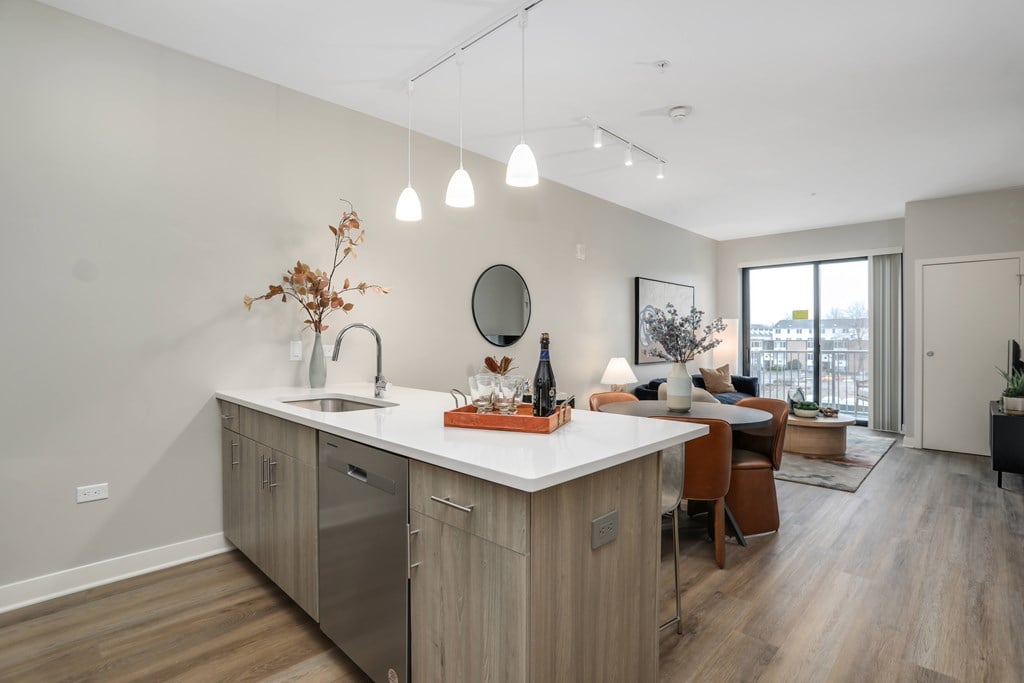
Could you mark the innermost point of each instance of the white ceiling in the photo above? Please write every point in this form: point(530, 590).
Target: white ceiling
point(806, 114)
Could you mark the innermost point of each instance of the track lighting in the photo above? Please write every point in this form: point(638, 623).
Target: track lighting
point(522, 165)
point(408, 207)
point(600, 131)
point(460, 192)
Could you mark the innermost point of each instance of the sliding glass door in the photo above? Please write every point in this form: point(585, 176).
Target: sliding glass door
point(806, 327)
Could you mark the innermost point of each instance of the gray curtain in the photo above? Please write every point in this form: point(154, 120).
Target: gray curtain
point(885, 384)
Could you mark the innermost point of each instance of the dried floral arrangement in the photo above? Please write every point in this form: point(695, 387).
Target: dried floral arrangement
point(314, 289)
point(499, 367)
point(681, 337)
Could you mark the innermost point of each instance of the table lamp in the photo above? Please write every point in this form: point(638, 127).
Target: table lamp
point(618, 374)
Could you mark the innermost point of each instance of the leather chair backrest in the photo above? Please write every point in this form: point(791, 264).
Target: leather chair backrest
point(708, 466)
point(599, 399)
point(767, 441)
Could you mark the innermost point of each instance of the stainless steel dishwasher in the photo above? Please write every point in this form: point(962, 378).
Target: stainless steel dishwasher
point(364, 566)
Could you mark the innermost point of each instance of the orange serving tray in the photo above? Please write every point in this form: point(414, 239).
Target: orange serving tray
point(522, 421)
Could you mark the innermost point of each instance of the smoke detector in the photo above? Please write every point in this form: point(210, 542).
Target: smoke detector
point(679, 112)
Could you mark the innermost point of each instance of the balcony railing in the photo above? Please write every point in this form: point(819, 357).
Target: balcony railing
point(844, 375)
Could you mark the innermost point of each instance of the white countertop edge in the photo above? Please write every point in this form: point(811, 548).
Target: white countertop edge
point(272, 406)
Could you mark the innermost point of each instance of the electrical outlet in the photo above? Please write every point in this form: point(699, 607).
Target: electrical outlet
point(581, 252)
point(87, 494)
point(604, 529)
point(295, 350)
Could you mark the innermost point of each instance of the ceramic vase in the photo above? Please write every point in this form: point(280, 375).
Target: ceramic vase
point(1013, 405)
point(317, 366)
point(679, 389)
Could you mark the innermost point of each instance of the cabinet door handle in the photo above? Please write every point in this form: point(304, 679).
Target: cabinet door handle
point(264, 474)
point(447, 500)
point(234, 463)
point(408, 551)
point(272, 473)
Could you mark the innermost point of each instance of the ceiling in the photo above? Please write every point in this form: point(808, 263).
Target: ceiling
point(805, 114)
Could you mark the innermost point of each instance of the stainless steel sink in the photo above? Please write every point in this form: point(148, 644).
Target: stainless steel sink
point(337, 404)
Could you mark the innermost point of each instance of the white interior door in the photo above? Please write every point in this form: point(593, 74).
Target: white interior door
point(971, 309)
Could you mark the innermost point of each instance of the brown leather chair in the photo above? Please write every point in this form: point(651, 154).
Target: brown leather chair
point(599, 399)
point(707, 471)
point(756, 454)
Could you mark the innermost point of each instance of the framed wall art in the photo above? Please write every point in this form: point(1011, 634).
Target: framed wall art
point(656, 294)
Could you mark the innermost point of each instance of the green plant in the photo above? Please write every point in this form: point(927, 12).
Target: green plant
point(1014, 383)
point(805, 405)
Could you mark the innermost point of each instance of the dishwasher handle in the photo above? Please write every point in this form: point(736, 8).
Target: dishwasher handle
point(357, 473)
point(338, 462)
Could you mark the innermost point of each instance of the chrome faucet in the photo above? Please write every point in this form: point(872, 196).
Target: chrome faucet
point(380, 383)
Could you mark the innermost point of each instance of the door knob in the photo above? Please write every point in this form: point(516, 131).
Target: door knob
point(930, 354)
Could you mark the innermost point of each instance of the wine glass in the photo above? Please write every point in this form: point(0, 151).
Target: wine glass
point(481, 391)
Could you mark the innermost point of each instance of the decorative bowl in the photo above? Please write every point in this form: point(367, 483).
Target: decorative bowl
point(800, 412)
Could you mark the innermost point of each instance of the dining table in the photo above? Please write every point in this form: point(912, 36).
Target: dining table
point(739, 418)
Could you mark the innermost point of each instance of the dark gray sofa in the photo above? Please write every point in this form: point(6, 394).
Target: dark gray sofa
point(746, 387)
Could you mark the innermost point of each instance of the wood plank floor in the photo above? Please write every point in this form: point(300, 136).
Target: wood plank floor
point(919, 576)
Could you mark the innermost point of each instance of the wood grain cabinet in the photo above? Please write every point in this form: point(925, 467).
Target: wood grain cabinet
point(508, 588)
point(270, 504)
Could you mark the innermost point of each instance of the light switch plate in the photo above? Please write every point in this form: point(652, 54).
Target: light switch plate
point(604, 529)
point(87, 494)
point(295, 350)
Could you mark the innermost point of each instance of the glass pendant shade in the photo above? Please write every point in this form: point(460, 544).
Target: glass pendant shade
point(522, 167)
point(460, 190)
point(408, 208)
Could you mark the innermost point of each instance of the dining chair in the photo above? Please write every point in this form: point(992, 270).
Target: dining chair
point(601, 398)
point(707, 472)
point(756, 454)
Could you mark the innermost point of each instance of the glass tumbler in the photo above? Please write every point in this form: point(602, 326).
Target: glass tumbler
point(481, 391)
point(507, 393)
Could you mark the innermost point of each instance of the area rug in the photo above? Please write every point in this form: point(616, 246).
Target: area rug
point(845, 473)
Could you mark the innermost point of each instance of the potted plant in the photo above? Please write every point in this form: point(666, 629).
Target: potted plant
point(805, 409)
point(1013, 394)
point(314, 289)
point(682, 338)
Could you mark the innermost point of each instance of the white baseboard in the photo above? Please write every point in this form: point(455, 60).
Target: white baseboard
point(49, 586)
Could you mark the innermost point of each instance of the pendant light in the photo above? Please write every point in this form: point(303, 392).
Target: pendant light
point(661, 170)
point(522, 165)
point(408, 207)
point(629, 154)
point(598, 142)
point(460, 188)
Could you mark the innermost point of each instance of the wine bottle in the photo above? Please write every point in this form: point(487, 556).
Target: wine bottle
point(543, 381)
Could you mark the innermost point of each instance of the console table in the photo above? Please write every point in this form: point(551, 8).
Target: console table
point(1006, 441)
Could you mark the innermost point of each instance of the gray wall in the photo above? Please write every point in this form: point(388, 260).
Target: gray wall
point(965, 225)
point(805, 245)
point(145, 191)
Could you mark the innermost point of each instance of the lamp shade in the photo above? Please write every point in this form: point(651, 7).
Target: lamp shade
point(618, 373)
point(728, 350)
point(522, 167)
point(408, 207)
point(460, 190)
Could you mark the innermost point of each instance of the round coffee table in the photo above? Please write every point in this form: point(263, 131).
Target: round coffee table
point(821, 436)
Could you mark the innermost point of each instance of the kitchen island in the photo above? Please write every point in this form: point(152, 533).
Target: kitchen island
point(530, 557)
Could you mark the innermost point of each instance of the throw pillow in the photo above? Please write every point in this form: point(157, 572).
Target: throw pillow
point(717, 381)
point(698, 396)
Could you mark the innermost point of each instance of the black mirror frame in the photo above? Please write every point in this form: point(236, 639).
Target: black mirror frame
point(529, 314)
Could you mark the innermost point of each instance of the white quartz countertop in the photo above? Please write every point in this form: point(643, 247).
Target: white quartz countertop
point(414, 428)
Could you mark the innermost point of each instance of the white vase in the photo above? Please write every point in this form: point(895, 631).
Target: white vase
point(1013, 405)
point(679, 389)
point(317, 365)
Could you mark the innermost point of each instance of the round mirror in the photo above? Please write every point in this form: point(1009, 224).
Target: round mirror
point(501, 305)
